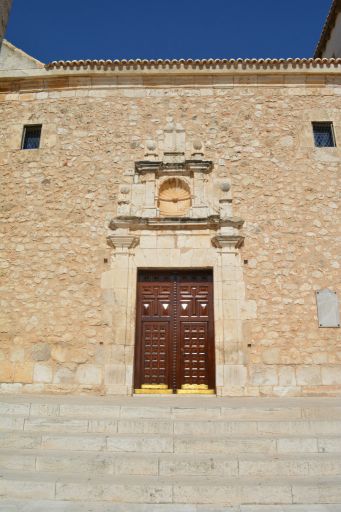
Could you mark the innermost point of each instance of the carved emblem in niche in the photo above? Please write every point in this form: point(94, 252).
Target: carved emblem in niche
point(174, 198)
point(172, 189)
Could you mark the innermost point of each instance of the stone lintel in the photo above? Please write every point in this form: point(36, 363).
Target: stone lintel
point(153, 223)
point(158, 167)
point(227, 241)
point(203, 166)
point(146, 166)
point(122, 241)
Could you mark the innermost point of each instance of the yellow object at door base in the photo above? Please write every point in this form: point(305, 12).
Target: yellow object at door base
point(154, 386)
point(195, 392)
point(153, 391)
point(194, 386)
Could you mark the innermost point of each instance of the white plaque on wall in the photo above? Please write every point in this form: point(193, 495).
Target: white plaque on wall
point(328, 312)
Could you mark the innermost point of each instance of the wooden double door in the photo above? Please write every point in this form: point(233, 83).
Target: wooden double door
point(175, 332)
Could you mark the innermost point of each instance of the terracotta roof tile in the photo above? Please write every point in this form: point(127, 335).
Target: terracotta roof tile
point(195, 64)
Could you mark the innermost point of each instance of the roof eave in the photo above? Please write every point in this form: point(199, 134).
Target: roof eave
point(327, 28)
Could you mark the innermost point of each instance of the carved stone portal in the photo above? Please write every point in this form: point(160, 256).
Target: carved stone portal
point(175, 192)
point(173, 213)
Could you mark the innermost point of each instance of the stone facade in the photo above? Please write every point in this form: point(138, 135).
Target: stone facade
point(5, 7)
point(267, 218)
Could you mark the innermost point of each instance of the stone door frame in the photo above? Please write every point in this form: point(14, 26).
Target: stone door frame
point(181, 249)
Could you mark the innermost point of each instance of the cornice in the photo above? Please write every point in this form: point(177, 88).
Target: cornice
point(194, 64)
point(213, 222)
point(145, 166)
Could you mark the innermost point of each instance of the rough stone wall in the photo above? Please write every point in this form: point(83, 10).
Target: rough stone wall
point(5, 7)
point(57, 202)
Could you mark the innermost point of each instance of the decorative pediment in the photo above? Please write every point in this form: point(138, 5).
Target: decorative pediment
point(169, 191)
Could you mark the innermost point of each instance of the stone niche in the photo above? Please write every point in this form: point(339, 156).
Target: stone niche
point(174, 187)
point(172, 213)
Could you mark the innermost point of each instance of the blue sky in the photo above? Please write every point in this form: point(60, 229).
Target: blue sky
point(113, 29)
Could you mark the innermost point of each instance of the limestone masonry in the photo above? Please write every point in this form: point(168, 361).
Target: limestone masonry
point(121, 144)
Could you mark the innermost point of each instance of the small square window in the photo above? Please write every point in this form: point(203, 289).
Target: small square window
point(31, 136)
point(324, 135)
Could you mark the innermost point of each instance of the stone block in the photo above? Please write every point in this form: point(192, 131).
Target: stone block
point(18, 440)
point(286, 391)
point(41, 352)
point(118, 389)
point(308, 375)
point(17, 355)
point(115, 492)
point(235, 375)
point(145, 412)
point(316, 492)
point(26, 489)
point(11, 423)
point(74, 464)
point(38, 409)
point(331, 375)
point(135, 465)
point(271, 356)
point(263, 375)
point(90, 411)
point(227, 494)
point(42, 373)
point(56, 425)
point(89, 374)
point(6, 371)
point(14, 408)
point(145, 426)
point(13, 462)
point(144, 444)
point(34, 388)
point(224, 445)
point(60, 442)
point(64, 376)
point(286, 376)
point(297, 445)
point(210, 428)
point(266, 493)
point(104, 425)
point(23, 372)
point(114, 374)
point(194, 465)
point(329, 444)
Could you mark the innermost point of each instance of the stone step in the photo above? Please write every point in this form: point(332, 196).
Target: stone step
point(170, 426)
point(170, 464)
point(172, 454)
point(184, 490)
point(151, 443)
point(82, 506)
point(172, 407)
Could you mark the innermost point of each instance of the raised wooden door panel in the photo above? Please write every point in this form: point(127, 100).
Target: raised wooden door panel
point(174, 331)
point(155, 354)
point(196, 361)
point(193, 363)
point(153, 331)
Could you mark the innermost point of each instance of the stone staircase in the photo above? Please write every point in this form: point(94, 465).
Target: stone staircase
point(169, 454)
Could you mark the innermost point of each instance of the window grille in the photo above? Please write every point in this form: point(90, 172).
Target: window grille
point(324, 135)
point(31, 136)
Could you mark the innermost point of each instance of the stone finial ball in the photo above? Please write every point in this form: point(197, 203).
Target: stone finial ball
point(225, 186)
point(151, 145)
point(197, 144)
point(124, 189)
